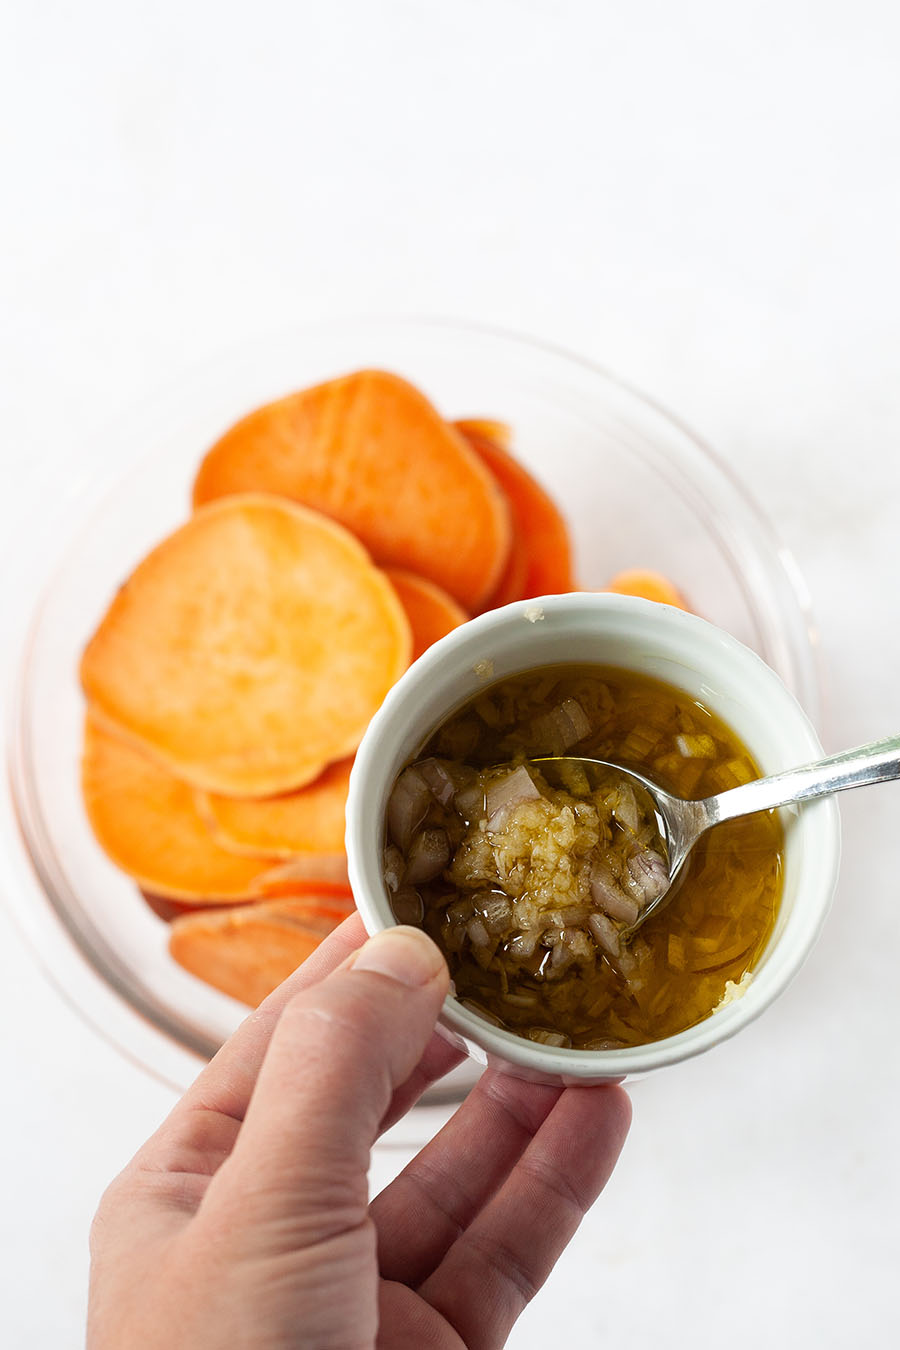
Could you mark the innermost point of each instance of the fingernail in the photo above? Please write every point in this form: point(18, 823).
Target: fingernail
point(403, 954)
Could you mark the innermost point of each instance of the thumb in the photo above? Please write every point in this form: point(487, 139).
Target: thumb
point(339, 1052)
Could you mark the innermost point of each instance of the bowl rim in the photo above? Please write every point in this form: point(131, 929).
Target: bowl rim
point(820, 822)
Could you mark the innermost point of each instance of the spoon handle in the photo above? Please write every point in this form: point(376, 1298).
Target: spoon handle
point(872, 763)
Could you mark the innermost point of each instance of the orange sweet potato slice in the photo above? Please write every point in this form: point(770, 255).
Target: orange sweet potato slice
point(370, 451)
point(166, 909)
point(250, 648)
point(146, 821)
point(319, 901)
point(498, 433)
point(332, 898)
point(540, 559)
point(513, 579)
point(513, 583)
point(291, 880)
point(647, 585)
point(308, 822)
point(248, 951)
point(432, 613)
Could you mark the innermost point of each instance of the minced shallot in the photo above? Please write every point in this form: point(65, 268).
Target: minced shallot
point(506, 792)
point(407, 806)
point(429, 854)
point(550, 880)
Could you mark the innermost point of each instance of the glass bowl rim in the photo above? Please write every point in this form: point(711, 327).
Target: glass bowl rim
point(158, 1026)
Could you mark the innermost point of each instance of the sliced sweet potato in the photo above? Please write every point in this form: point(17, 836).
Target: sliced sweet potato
point(513, 579)
point(541, 538)
point(513, 583)
point(146, 821)
point(647, 585)
point(315, 902)
point(498, 433)
point(250, 648)
point(247, 951)
point(308, 822)
point(333, 899)
point(432, 613)
point(290, 880)
point(371, 452)
point(165, 909)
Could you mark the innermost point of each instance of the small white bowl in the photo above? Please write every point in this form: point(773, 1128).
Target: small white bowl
point(637, 635)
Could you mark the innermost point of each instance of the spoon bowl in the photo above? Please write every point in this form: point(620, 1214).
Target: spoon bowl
point(678, 821)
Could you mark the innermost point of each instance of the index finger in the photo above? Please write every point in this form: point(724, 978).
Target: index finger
point(200, 1130)
point(224, 1087)
point(227, 1081)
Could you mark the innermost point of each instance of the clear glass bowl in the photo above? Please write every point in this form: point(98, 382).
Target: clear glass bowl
point(637, 488)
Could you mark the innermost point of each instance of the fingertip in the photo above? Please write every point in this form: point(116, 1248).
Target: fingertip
point(606, 1111)
point(615, 1120)
point(403, 954)
point(623, 1102)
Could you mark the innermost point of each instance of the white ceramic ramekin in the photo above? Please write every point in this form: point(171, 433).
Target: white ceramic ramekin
point(655, 640)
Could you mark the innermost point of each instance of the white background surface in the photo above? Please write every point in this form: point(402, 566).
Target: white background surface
point(706, 199)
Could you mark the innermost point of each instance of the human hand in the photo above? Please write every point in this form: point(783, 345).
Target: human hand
point(244, 1220)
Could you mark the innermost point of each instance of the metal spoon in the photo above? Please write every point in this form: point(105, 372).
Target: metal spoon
point(681, 823)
